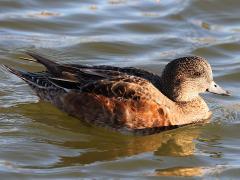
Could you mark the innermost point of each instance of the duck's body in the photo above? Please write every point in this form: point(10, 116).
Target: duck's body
point(124, 99)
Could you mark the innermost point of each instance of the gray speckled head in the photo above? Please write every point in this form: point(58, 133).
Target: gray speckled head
point(184, 78)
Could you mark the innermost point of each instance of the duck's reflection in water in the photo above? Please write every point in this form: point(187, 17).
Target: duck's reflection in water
point(100, 145)
point(178, 142)
point(180, 171)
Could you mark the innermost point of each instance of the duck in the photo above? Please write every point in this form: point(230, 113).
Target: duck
point(126, 99)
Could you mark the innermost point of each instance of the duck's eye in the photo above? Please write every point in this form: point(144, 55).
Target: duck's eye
point(197, 74)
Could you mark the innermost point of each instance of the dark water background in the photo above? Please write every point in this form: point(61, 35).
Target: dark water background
point(38, 141)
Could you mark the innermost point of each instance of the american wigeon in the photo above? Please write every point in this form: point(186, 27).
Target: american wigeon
point(127, 99)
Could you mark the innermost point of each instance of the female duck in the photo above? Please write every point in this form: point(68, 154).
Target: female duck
point(127, 99)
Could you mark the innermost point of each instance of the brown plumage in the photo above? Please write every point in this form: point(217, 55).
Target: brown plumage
point(126, 99)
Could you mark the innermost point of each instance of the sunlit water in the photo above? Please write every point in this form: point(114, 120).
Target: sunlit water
point(38, 141)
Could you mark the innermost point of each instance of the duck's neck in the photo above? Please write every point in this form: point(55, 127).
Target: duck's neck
point(191, 112)
point(167, 89)
point(189, 108)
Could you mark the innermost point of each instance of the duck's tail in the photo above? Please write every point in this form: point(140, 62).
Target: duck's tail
point(33, 79)
point(65, 71)
point(39, 82)
point(57, 77)
point(52, 67)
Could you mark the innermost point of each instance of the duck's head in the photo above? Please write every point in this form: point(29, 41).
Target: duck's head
point(184, 78)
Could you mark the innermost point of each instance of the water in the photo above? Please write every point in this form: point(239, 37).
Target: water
point(37, 141)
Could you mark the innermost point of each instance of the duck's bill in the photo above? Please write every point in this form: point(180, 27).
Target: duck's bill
point(216, 89)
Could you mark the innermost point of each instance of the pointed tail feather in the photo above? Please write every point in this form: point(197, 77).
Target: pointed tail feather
point(58, 70)
point(18, 73)
point(51, 66)
point(32, 79)
point(67, 71)
point(39, 82)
